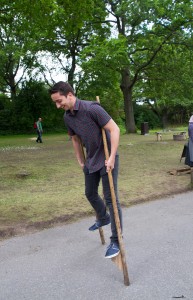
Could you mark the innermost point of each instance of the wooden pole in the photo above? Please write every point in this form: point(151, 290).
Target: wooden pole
point(102, 237)
point(116, 214)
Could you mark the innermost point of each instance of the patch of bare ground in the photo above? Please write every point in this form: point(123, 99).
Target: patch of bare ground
point(25, 228)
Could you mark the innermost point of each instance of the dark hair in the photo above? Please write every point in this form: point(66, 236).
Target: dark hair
point(61, 87)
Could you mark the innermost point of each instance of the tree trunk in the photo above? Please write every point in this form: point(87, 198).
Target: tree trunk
point(11, 82)
point(126, 89)
point(164, 118)
point(72, 68)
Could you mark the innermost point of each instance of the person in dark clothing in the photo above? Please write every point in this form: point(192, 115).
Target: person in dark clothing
point(39, 130)
point(84, 120)
point(189, 148)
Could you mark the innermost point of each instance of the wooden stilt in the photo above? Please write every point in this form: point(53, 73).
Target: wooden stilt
point(116, 215)
point(118, 261)
point(101, 232)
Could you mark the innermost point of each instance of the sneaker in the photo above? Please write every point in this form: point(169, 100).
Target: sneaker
point(112, 250)
point(100, 223)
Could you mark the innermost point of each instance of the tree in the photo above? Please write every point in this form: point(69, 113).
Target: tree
point(23, 23)
point(66, 39)
point(108, 90)
point(168, 89)
point(32, 102)
point(141, 31)
point(13, 48)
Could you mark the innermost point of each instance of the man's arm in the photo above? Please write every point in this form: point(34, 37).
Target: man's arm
point(78, 150)
point(114, 130)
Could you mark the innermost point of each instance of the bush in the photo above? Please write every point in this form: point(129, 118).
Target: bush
point(143, 113)
point(33, 101)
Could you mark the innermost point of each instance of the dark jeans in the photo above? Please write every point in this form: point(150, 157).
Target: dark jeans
point(188, 162)
point(91, 191)
point(39, 138)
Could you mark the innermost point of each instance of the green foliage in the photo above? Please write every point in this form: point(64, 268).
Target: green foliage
point(35, 101)
point(168, 87)
point(143, 47)
point(5, 116)
point(144, 114)
point(32, 102)
point(16, 47)
point(97, 82)
point(141, 32)
point(5, 113)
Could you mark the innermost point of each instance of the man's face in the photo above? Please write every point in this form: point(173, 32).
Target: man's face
point(63, 102)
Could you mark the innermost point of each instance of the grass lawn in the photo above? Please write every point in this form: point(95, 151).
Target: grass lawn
point(42, 184)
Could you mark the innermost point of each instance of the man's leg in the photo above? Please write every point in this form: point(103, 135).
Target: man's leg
point(37, 140)
point(40, 137)
point(91, 191)
point(107, 195)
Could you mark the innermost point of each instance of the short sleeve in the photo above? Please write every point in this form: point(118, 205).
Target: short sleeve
point(70, 131)
point(98, 114)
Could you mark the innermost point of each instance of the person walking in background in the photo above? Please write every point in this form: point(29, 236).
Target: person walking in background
point(39, 130)
point(84, 120)
point(189, 154)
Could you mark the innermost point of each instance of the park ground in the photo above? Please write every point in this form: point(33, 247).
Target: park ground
point(43, 186)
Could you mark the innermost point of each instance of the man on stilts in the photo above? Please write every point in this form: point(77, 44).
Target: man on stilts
point(84, 120)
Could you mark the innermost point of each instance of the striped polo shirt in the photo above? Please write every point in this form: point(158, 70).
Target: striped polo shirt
point(86, 121)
